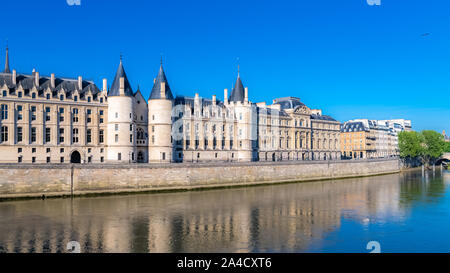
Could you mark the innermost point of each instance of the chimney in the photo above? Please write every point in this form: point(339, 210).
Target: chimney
point(52, 80)
point(14, 77)
point(80, 82)
point(163, 90)
point(36, 78)
point(105, 85)
point(246, 94)
point(197, 98)
point(214, 100)
point(122, 86)
point(225, 96)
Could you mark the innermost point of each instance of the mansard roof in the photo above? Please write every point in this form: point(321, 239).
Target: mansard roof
point(353, 127)
point(322, 117)
point(114, 91)
point(289, 103)
point(238, 93)
point(27, 82)
point(156, 90)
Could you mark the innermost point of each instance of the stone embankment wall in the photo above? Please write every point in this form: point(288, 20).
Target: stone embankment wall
point(65, 180)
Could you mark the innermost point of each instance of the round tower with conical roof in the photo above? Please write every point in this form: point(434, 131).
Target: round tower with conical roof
point(244, 137)
point(160, 120)
point(120, 137)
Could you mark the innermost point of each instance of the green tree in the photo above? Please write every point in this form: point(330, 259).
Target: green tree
point(410, 144)
point(447, 148)
point(434, 146)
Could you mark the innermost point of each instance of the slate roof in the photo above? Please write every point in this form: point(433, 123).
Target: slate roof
point(322, 117)
point(289, 103)
point(353, 127)
point(114, 91)
point(156, 90)
point(28, 82)
point(238, 92)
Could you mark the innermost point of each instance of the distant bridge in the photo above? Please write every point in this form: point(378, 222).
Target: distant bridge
point(445, 158)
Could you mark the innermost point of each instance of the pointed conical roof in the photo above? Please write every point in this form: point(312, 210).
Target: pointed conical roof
point(7, 62)
point(156, 90)
point(114, 91)
point(238, 93)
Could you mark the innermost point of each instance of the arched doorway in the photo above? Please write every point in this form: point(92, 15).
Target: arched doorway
point(75, 157)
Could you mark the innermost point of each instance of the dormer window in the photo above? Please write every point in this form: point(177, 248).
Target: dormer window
point(61, 97)
point(88, 99)
point(75, 98)
point(19, 94)
point(4, 93)
point(101, 100)
point(33, 95)
point(48, 96)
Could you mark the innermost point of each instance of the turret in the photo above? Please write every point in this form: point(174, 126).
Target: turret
point(121, 131)
point(246, 121)
point(7, 70)
point(160, 120)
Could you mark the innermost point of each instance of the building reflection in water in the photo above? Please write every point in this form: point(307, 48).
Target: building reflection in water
point(281, 218)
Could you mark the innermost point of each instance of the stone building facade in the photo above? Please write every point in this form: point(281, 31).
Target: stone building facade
point(363, 138)
point(49, 119)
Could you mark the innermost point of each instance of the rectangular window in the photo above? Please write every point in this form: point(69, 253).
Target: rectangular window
point(47, 113)
point(75, 135)
point(19, 112)
point(89, 136)
point(47, 135)
point(61, 114)
point(74, 115)
point(119, 156)
point(101, 136)
point(48, 159)
point(88, 115)
point(33, 159)
point(4, 112)
point(19, 94)
point(61, 159)
point(131, 127)
point(19, 134)
point(4, 133)
point(61, 135)
point(116, 138)
point(33, 134)
point(102, 159)
point(19, 159)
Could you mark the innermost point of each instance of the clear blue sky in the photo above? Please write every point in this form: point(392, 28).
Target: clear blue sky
point(348, 58)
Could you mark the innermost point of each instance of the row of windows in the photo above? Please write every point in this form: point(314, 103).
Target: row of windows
point(75, 111)
point(47, 136)
point(62, 97)
point(61, 150)
point(61, 159)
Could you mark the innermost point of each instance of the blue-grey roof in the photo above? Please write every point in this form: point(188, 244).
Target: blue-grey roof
point(289, 103)
point(238, 93)
point(322, 117)
point(114, 91)
point(28, 82)
point(353, 127)
point(156, 90)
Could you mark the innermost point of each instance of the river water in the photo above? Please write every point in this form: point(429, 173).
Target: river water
point(402, 212)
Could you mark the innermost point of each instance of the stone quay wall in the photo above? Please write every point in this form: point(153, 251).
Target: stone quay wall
point(27, 180)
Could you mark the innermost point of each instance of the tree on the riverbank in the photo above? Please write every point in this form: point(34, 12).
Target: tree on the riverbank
point(447, 148)
point(434, 145)
point(427, 146)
